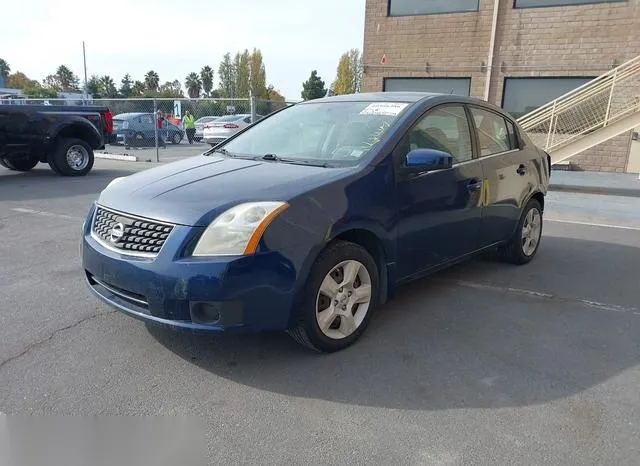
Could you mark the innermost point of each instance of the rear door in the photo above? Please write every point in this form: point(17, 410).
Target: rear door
point(439, 211)
point(509, 173)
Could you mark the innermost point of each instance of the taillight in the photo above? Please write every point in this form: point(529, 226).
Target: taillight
point(231, 126)
point(108, 121)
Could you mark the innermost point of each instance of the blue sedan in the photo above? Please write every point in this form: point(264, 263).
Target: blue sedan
point(308, 220)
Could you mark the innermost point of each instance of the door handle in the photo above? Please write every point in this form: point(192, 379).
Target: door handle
point(474, 185)
point(521, 170)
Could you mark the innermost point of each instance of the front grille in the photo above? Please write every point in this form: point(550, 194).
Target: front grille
point(130, 234)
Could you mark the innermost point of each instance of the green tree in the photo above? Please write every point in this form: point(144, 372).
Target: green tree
point(241, 63)
point(138, 89)
point(193, 84)
point(170, 89)
point(313, 88)
point(94, 87)
point(151, 80)
point(108, 87)
point(206, 76)
point(126, 86)
point(227, 75)
point(5, 69)
point(40, 92)
point(63, 80)
point(258, 75)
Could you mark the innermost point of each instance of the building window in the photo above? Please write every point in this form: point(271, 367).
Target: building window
point(457, 86)
point(539, 3)
point(430, 7)
point(524, 95)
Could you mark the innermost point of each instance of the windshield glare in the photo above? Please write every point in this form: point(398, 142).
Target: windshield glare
point(328, 132)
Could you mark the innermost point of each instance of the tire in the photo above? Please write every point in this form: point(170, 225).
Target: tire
point(519, 250)
point(20, 165)
point(340, 332)
point(3, 163)
point(72, 157)
point(176, 138)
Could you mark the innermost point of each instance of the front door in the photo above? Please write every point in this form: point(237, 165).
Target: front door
point(439, 211)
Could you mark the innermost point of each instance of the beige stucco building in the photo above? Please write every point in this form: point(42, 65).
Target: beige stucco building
point(518, 54)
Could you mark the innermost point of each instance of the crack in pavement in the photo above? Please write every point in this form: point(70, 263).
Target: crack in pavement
point(53, 334)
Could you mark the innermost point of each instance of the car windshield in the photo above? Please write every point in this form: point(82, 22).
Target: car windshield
point(205, 119)
point(330, 132)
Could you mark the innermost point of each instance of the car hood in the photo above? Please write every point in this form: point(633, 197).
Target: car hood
point(194, 190)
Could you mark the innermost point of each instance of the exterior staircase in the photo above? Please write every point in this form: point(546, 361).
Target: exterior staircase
point(591, 114)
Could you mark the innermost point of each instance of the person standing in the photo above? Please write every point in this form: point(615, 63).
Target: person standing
point(190, 126)
point(159, 124)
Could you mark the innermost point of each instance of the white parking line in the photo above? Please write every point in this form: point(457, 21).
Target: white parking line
point(589, 224)
point(538, 294)
point(44, 214)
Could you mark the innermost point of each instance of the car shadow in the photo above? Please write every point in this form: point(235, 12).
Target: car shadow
point(44, 183)
point(440, 345)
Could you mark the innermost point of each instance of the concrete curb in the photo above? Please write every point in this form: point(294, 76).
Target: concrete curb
point(601, 190)
point(109, 156)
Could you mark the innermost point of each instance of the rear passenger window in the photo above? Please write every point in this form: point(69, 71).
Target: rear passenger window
point(446, 129)
point(493, 135)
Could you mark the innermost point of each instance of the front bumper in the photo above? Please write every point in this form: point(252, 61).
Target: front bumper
point(212, 295)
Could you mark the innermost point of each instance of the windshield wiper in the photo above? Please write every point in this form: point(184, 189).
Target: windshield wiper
point(276, 158)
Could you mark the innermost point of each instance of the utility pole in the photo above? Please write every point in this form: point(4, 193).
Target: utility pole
point(84, 58)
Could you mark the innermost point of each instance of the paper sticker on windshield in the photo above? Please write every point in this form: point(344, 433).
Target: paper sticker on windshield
point(384, 108)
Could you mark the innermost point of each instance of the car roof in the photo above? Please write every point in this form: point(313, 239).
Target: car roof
point(410, 97)
point(395, 96)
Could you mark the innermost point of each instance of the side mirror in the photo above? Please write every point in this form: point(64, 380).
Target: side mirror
point(428, 159)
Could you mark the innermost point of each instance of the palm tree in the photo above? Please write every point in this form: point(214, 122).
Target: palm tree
point(206, 74)
point(193, 84)
point(108, 86)
point(151, 80)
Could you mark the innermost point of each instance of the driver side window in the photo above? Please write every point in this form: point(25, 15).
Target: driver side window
point(446, 129)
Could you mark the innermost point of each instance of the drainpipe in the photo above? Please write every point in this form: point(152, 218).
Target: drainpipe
point(492, 43)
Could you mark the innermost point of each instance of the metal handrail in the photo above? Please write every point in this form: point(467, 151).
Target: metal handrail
point(596, 104)
point(633, 65)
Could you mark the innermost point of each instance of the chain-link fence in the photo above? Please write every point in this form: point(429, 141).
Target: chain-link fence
point(153, 128)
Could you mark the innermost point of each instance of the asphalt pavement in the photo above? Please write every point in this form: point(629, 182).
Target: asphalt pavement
point(484, 363)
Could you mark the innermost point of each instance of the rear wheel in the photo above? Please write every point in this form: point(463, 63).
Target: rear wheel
point(339, 298)
point(525, 242)
point(20, 165)
point(72, 157)
point(176, 138)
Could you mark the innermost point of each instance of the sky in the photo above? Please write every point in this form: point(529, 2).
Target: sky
point(174, 38)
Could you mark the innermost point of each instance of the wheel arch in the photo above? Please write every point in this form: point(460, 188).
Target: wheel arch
point(363, 237)
point(79, 131)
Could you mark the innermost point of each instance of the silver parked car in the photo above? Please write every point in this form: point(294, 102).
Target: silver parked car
point(224, 127)
point(199, 123)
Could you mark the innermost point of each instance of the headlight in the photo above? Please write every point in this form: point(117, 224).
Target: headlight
point(238, 231)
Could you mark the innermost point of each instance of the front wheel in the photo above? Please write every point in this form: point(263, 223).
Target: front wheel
point(525, 242)
point(340, 296)
point(176, 138)
point(72, 157)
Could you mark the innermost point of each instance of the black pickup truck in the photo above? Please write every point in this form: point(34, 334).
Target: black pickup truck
point(64, 136)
